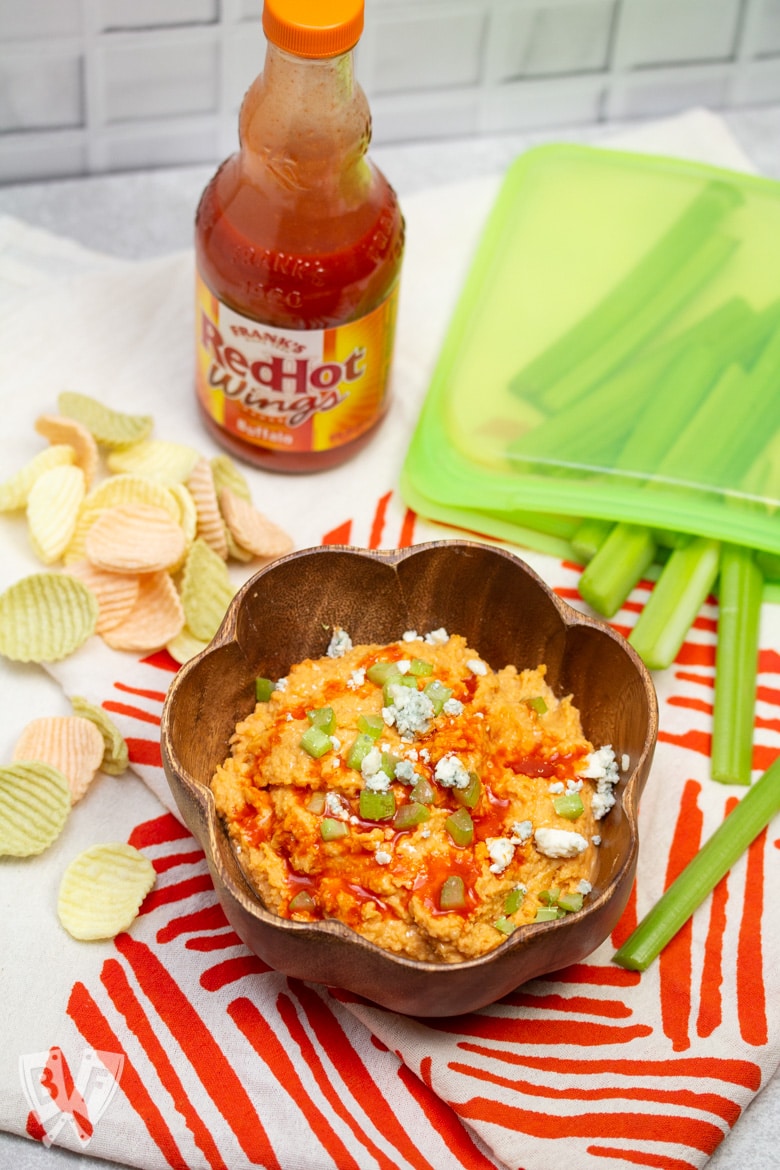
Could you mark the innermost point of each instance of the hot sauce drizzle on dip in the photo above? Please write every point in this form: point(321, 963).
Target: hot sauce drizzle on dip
point(428, 801)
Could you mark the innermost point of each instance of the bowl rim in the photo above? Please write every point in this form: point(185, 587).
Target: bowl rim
point(627, 796)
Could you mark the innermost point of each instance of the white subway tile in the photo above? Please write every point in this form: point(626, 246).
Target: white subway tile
point(40, 90)
point(657, 32)
point(426, 48)
point(541, 40)
point(415, 116)
point(29, 157)
point(655, 93)
point(767, 29)
point(244, 58)
point(554, 102)
point(20, 19)
point(122, 14)
point(190, 140)
point(758, 85)
point(149, 78)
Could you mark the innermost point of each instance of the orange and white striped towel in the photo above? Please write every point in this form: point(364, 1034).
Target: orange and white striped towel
point(206, 1058)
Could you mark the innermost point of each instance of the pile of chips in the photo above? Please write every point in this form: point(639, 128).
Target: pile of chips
point(142, 554)
point(55, 760)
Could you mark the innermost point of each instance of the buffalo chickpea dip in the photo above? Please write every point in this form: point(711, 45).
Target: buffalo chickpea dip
point(412, 792)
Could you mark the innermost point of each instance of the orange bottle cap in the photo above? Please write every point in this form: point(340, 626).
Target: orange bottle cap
point(313, 28)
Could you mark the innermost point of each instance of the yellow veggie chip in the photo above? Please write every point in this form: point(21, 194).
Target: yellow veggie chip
point(188, 513)
point(157, 459)
point(14, 491)
point(115, 755)
point(111, 493)
point(102, 890)
point(112, 428)
point(134, 538)
point(67, 742)
point(206, 590)
point(45, 617)
point(53, 509)
point(34, 806)
point(185, 646)
point(58, 429)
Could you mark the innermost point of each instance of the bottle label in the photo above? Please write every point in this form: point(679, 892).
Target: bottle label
point(292, 389)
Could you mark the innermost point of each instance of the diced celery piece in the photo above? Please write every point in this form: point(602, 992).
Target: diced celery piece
point(452, 895)
point(537, 704)
point(316, 742)
point(570, 902)
point(264, 688)
point(420, 668)
point(324, 718)
point(359, 750)
point(372, 725)
point(505, 925)
point(331, 829)
point(410, 814)
point(438, 694)
point(569, 806)
point(547, 913)
point(550, 897)
point(513, 901)
point(469, 796)
point(460, 827)
point(302, 903)
point(389, 764)
point(423, 791)
point(376, 806)
point(380, 672)
point(316, 803)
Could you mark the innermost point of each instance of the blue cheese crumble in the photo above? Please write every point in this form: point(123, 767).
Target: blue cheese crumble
point(559, 842)
point(339, 644)
point(410, 711)
point(601, 766)
point(450, 772)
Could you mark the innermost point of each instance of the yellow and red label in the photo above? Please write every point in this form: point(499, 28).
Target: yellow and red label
point(292, 389)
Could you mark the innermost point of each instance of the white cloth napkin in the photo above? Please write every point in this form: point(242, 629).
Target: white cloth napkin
point(227, 1063)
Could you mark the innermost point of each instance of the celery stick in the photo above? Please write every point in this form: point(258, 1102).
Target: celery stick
point(754, 812)
point(614, 401)
point(589, 537)
point(630, 295)
point(750, 435)
point(613, 572)
point(740, 592)
point(769, 565)
point(678, 594)
point(688, 279)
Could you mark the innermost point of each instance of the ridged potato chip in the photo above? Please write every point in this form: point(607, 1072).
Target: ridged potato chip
point(116, 593)
point(228, 475)
point(235, 551)
point(115, 759)
point(52, 510)
point(67, 742)
point(102, 890)
point(134, 538)
point(111, 493)
point(155, 619)
point(250, 529)
point(157, 459)
point(45, 617)
point(206, 590)
point(211, 526)
point(34, 806)
point(185, 646)
point(15, 491)
point(111, 428)
point(58, 429)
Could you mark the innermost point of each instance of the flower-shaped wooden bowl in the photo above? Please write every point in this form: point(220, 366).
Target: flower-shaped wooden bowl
point(505, 611)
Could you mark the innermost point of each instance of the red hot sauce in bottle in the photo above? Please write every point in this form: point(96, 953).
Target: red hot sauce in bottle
point(298, 242)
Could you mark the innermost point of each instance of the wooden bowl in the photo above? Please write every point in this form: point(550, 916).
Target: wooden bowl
point(508, 615)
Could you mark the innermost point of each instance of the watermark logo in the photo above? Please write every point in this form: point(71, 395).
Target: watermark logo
point(60, 1100)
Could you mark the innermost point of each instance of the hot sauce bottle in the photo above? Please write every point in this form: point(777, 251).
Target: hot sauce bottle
point(298, 242)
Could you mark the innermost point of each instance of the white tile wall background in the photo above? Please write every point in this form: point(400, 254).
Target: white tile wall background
point(89, 86)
